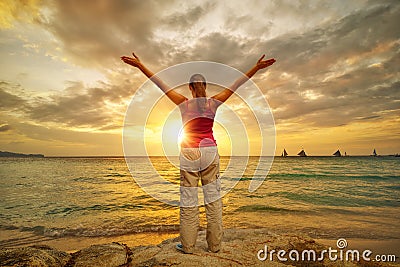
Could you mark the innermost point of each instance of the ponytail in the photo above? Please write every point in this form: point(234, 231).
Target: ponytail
point(198, 84)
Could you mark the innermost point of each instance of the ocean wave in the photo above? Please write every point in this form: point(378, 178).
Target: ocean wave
point(108, 207)
point(351, 198)
point(95, 231)
point(331, 176)
point(255, 208)
point(115, 178)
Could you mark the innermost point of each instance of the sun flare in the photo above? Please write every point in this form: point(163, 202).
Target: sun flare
point(173, 131)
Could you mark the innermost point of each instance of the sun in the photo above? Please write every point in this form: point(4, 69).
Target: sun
point(181, 135)
point(173, 131)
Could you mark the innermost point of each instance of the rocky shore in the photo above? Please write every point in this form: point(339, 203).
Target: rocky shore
point(240, 248)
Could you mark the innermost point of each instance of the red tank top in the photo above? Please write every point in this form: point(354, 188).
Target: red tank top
point(198, 120)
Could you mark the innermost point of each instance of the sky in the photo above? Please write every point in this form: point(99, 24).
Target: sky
point(65, 92)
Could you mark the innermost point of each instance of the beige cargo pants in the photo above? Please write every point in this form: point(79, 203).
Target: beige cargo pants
point(200, 164)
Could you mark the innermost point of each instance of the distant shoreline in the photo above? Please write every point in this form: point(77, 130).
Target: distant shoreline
point(7, 154)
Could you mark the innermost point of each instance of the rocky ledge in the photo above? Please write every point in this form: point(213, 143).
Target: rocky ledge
point(240, 248)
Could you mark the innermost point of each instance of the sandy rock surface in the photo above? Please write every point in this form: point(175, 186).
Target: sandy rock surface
point(107, 255)
point(240, 247)
point(33, 256)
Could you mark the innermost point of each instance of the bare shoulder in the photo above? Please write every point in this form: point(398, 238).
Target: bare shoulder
point(214, 103)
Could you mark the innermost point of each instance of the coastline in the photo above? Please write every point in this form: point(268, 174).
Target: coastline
point(71, 244)
point(240, 247)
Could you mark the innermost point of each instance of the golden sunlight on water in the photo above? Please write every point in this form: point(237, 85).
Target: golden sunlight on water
point(322, 197)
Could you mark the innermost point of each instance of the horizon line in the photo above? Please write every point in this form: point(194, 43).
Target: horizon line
point(140, 156)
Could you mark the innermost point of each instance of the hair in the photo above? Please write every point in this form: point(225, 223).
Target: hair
point(198, 84)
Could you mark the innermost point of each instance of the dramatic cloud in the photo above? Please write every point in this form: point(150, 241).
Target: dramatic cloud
point(337, 62)
point(183, 20)
point(341, 72)
point(77, 107)
point(5, 128)
point(98, 33)
point(25, 11)
point(9, 101)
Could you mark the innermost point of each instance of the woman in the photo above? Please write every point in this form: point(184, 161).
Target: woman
point(199, 159)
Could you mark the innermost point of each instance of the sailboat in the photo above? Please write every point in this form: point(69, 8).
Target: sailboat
point(284, 153)
point(302, 153)
point(374, 154)
point(337, 153)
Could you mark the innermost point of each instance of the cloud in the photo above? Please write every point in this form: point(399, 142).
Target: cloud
point(96, 34)
point(330, 75)
point(5, 128)
point(185, 19)
point(226, 49)
point(331, 60)
point(34, 138)
point(9, 101)
point(14, 10)
point(77, 106)
point(337, 62)
point(317, 50)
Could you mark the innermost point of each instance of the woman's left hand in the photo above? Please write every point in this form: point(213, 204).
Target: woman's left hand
point(261, 64)
point(133, 61)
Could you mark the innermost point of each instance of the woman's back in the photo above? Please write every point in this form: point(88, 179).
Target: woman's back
point(198, 119)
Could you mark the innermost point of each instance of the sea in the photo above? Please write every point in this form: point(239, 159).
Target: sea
point(81, 198)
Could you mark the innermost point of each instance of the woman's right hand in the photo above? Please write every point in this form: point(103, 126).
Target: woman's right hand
point(133, 61)
point(261, 64)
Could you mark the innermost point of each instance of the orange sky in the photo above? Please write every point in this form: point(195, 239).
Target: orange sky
point(335, 85)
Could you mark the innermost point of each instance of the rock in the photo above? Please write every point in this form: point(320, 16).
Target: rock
point(239, 248)
point(33, 256)
point(106, 255)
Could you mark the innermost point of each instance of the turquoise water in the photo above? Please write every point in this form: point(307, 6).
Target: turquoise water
point(324, 197)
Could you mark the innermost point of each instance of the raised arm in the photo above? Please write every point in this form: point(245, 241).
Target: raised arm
point(171, 94)
point(226, 93)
